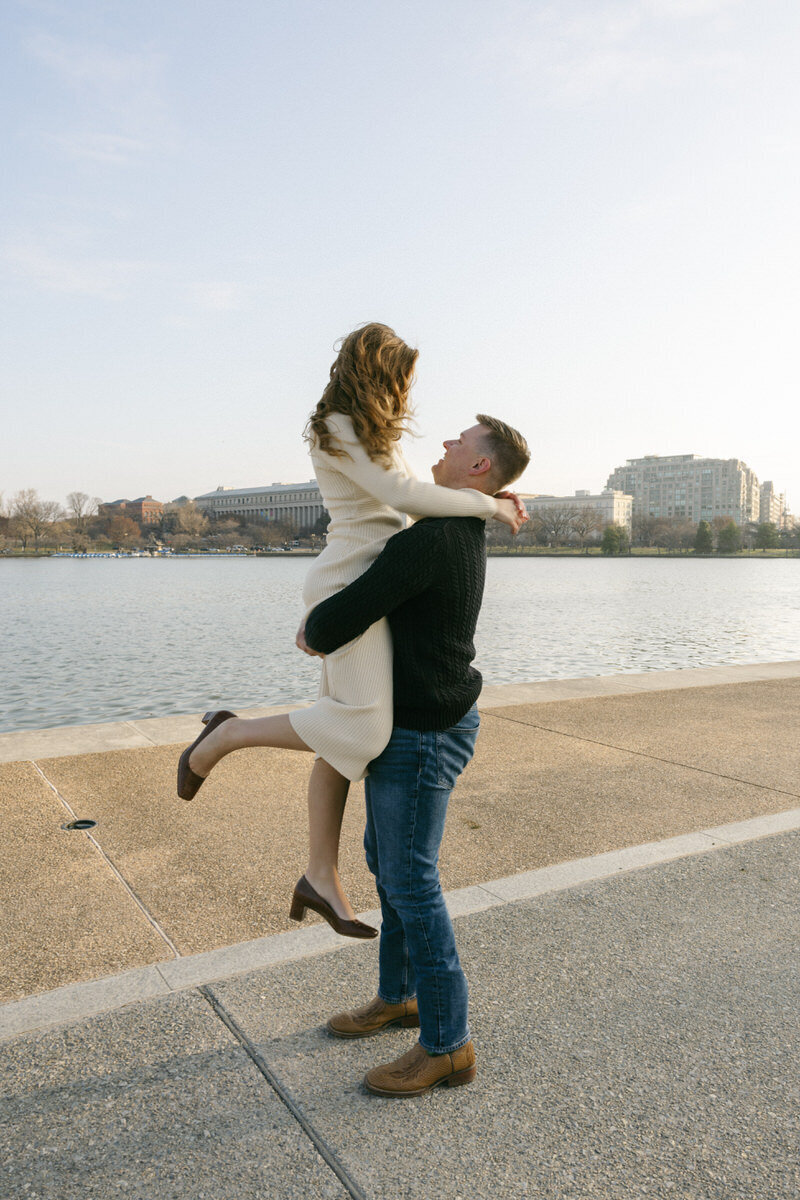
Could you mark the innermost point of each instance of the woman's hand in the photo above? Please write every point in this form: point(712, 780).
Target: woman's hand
point(510, 510)
point(521, 509)
point(302, 644)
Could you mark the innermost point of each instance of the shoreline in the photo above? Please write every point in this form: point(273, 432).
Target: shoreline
point(18, 745)
point(491, 552)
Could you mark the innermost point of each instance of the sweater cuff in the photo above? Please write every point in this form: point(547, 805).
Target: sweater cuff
point(491, 503)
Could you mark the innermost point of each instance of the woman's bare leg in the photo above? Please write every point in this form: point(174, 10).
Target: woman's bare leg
point(239, 732)
point(327, 796)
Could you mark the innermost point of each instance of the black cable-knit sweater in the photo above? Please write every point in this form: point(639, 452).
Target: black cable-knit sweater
point(428, 581)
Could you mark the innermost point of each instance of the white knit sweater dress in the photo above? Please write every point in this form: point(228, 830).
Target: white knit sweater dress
point(351, 722)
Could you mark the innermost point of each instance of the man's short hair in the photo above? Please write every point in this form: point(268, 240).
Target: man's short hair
point(507, 449)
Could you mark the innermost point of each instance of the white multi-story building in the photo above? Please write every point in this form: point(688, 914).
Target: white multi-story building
point(614, 507)
point(297, 504)
point(689, 486)
point(773, 505)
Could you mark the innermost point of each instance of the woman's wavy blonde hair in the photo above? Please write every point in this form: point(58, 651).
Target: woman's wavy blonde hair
point(370, 383)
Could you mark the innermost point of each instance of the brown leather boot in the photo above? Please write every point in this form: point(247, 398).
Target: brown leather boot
point(363, 1022)
point(418, 1072)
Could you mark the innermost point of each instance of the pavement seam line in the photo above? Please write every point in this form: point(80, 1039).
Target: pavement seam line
point(132, 725)
point(316, 1139)
point(487, 887)
point(670, 762)
point(114, 869)
point(163, 978)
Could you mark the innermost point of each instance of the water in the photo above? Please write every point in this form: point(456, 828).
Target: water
point(113, 639)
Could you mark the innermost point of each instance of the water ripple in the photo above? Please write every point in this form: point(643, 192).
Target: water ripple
point(117, 639)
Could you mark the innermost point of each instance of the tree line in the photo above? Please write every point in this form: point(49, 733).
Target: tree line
point(575, 526)
point(29, 523)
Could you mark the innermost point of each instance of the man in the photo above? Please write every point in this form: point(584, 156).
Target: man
point(428, 581)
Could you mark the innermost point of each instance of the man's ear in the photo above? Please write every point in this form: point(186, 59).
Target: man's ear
point(480, 466)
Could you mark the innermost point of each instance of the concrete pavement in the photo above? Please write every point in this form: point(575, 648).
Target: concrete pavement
point(634, 1007)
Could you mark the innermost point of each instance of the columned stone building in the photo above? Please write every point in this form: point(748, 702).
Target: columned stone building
point(297, 504)
point(691, 487)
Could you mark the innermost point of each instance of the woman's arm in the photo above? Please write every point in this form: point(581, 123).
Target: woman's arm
point(405, 567)
point(400, 491)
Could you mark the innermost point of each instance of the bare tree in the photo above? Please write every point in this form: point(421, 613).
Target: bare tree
point(645, 529)
point(122, 531)
point(45, 517)
point(24, 507)
point(52, 514)
point(191, 520)
point(5, 524)
point(80, 508)
point(749, 533)
point(32, 517)
point(531, 531)
point(586, 521)
point(270, 533)
point(674, 533)
point(225, 532)
point(498, 534)
point(24, 501)
point(555, 522)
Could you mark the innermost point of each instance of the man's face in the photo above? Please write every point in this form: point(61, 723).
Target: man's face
point(461, 455)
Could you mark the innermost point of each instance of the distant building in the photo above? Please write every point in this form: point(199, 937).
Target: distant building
point(689, 486)
point(772, 506)
point(145, 510)
point(297, 504)
point(614, 507)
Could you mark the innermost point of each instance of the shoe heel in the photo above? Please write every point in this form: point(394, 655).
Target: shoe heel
point(410, 1022)
point(298, 909)
point(460, 1077)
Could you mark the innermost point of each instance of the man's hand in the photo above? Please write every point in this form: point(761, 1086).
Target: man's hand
point(511, 510)
point(302, 644)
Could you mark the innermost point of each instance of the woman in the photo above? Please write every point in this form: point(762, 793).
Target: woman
point(354, 435)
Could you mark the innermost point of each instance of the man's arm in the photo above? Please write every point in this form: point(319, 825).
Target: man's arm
point(405, 566)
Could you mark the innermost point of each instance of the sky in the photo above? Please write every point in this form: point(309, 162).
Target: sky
point(585, 214)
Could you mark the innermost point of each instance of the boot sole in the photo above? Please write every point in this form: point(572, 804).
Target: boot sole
point(454, 1080)
point(410, 1022)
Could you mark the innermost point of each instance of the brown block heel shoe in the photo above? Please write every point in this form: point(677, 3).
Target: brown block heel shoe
point(373, 1017)
point(417, 1072)
point(305, 896)
point(189, 783)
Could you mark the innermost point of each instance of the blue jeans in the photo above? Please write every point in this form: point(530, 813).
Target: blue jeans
point(407, 790)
